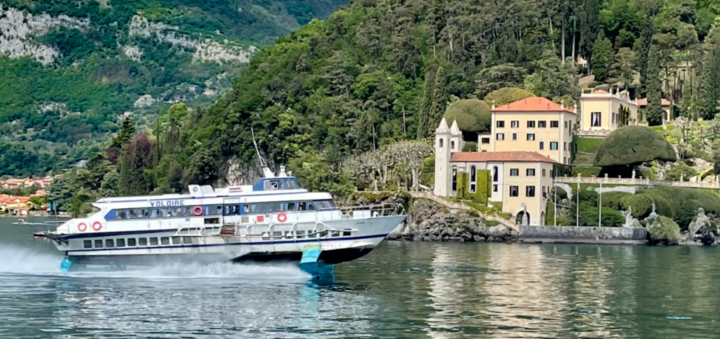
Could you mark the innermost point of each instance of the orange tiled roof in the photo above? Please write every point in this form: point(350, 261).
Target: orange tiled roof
point(20, 199)
point(519, 156)
point(643, 102)
point(533, 104)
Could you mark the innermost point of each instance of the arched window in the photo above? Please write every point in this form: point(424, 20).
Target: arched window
point(473, 179)
point(441, 143)
point(452, 145)
point(454, 178)
point(495, 174)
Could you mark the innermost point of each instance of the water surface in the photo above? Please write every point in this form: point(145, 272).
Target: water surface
point(401, 290)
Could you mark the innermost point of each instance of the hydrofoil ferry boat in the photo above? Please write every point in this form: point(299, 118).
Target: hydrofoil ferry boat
point(274, 219)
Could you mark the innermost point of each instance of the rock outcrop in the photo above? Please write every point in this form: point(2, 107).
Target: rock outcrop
point(433, 222)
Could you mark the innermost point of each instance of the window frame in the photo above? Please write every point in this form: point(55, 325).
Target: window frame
point(516, 190)
point(530, 191)
point(516, 171)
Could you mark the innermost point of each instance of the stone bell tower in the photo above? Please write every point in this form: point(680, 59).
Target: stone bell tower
point(442, 160)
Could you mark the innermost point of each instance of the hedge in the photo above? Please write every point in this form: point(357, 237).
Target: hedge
point(472, 115)
point(506, 95)
point(633, 145)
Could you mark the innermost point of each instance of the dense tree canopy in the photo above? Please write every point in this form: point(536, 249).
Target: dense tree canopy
point(633, 145)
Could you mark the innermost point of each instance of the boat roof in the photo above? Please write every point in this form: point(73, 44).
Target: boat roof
point(264, 187)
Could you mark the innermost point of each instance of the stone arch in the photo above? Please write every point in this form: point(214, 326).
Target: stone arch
point(523, 218)
point(440, 143)
point(452, 145)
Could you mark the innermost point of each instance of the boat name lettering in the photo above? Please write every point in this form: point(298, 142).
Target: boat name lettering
point(166, 203)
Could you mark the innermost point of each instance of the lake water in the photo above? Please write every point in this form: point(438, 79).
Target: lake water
point(401, 290)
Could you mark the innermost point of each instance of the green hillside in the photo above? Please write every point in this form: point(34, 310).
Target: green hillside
point(71, 68)
point(380, 71)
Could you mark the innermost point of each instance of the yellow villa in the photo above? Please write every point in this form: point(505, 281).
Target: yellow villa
point(532, 124)
point(602, 112)
point(520, 181)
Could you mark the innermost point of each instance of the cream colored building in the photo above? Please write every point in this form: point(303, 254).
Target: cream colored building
point(532, 124)
point(520, 180)
point(602, 112)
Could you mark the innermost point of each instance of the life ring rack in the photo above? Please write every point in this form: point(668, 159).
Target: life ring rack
point(197, 211)
point(96, 226)
point(82, 227)
point(282, 217)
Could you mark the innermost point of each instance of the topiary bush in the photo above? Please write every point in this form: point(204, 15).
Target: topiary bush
point(641, 204)
point(472, 115)
point(506, 95)
point(612, 199)
point(665, 232)
point(462, 185)
point(482, 195)
point(633, 145)
point(470, 146)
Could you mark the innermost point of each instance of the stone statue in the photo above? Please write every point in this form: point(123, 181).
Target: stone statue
point(633, 174)
point(652, 218)
point(629, 220)
point(701, 224)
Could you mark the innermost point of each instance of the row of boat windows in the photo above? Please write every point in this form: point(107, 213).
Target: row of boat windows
point(136, 242)
point(167, 241)
point(228, 210)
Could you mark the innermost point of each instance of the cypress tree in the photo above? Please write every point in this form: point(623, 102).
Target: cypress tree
point(425, 103)
point(439, 101)
point(602, 57)
point(127, 130)
point(709, 83)
point(642, 49)
point(654, 93)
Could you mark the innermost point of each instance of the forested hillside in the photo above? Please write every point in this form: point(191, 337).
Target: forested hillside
point(380, 71)
point(72, 68)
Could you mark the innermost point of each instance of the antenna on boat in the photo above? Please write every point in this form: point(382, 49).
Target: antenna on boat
point(266, 170)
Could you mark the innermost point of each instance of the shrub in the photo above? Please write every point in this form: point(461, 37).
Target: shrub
point(470, 146)
point(633, 145)
point(641, 205)
point(665, 232)
point(681, 170)
point(506, 95)
point(462, 187)
point(610, 217)
point(472, 115)
point(483, 187)
point(612, 199)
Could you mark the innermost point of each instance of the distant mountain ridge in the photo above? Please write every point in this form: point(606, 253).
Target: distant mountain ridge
point(72, 68)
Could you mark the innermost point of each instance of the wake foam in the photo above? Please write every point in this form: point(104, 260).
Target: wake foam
point(259, 272)
point(21, 260)
point(25, 261)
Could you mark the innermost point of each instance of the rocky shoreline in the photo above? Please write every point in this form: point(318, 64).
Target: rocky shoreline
point(432, 222)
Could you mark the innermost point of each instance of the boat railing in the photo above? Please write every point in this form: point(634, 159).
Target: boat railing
point(373, 210)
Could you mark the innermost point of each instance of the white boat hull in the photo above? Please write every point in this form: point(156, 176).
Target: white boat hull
point(336, 246)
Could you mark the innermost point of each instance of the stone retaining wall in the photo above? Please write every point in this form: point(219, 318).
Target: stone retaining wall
point(589, 235)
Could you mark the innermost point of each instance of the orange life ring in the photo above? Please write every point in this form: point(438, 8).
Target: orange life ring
point(197, 211)
point(82, 227)
point(282, 217)
point(97, 226)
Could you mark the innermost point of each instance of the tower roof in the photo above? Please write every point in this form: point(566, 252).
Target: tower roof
point(443, 127)
point(455, 130)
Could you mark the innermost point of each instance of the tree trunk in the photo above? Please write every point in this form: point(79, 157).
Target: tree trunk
point(574, 37)
point(552, 39)
point(562, 40)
